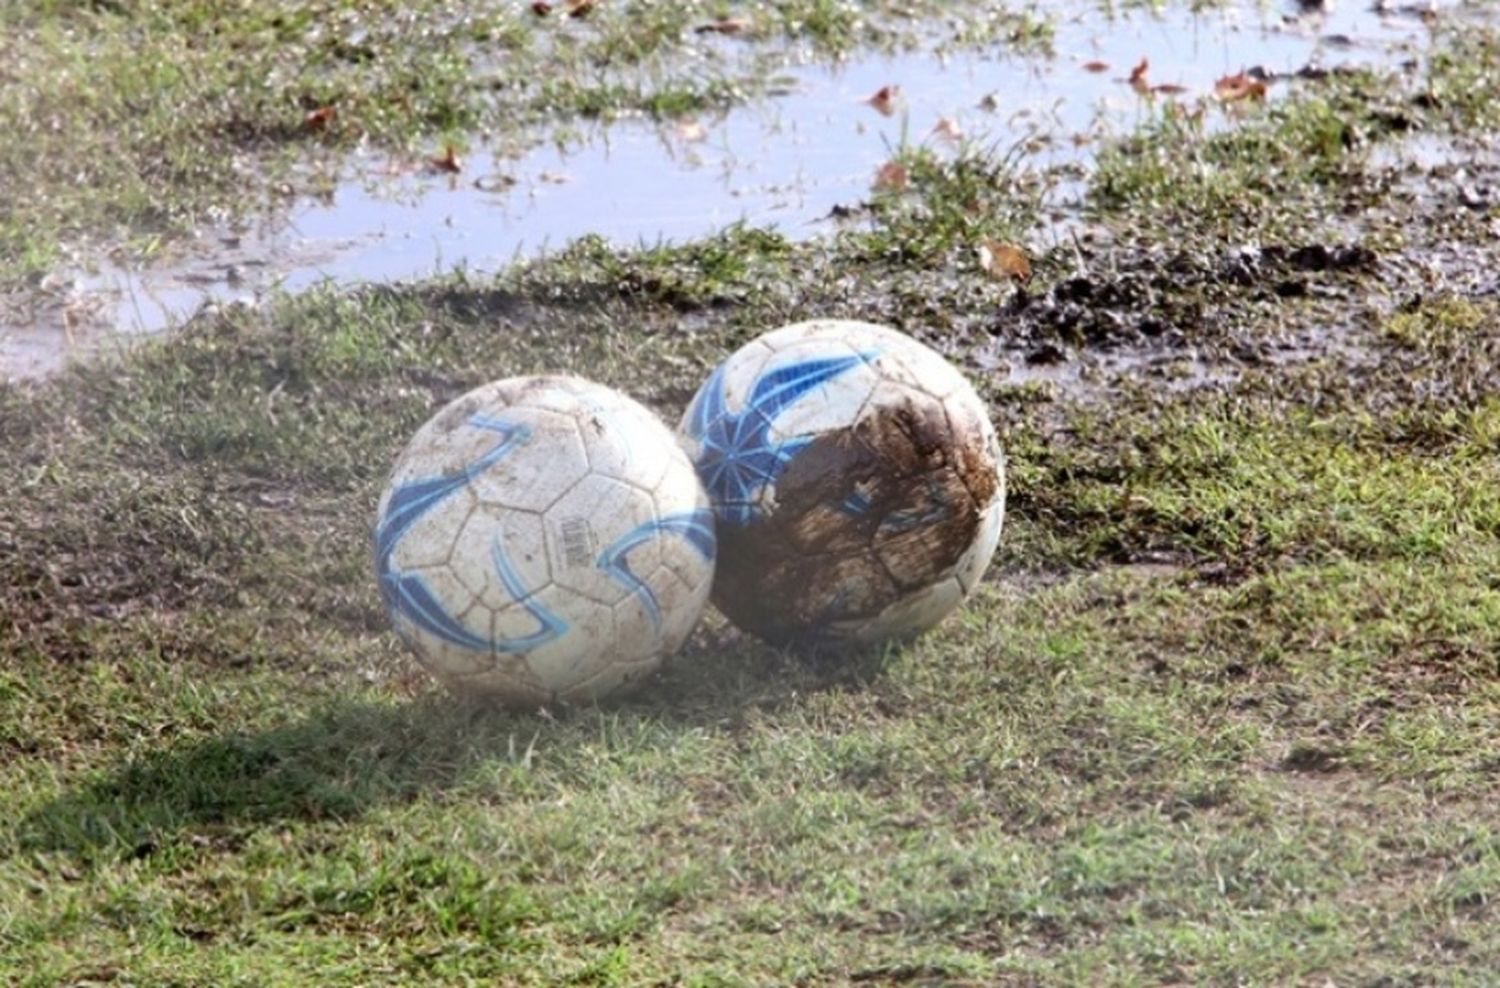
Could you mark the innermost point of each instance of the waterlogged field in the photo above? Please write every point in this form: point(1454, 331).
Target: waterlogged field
point(1226, 710)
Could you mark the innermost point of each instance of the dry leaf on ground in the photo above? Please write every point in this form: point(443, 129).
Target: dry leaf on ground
point(1138, 75)
point(1238, 87)
point(885, 99)
point(948, 129)
point(1004, 260)
point(320, 118)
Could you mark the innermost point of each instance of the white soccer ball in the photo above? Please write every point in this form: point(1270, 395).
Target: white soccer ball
point(543, 538)
point(857, 481)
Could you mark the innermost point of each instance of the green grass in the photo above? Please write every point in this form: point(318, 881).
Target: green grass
point(1277, 166)
point(1226, 711)
point(1268, 763)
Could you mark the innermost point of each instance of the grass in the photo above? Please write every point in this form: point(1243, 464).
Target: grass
point(1225, 712)
point(1274, 167)
point(1267, 762)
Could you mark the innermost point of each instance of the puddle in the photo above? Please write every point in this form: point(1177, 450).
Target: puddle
point(784, 162)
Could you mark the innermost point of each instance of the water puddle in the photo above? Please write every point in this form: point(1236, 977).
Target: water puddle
point(785, 162)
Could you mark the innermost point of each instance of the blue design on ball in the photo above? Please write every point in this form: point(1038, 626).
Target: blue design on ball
point(550, 625)
point(857, 503)
point(410, 596)
point(737, 458)
point(695, 526)
point(939, 508)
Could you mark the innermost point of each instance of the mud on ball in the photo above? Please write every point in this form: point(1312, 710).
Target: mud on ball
point(856, 479)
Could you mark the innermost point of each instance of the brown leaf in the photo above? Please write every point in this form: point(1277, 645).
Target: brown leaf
point(948, 129)
point(1238, 87)
point(581, 8)
point(448, 161)
point(892, 176)
point(541, 8)
point(1138, 75)
point(1002, 260)
point(729, 25)
point(1169, 89)
point(1096, 66)
point(885, 99)
point(320, 118)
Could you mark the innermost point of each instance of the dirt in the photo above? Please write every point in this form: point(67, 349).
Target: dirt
point(863, 517)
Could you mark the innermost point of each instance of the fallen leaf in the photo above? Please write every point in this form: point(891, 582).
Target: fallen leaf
point(948, 129)
point(553, 178)
point(1238, 87)
point(1003, 260)
point(448, 161)
point(1169, 89)
point(729, 25)
point(691, 131)
point(320, 118)
point(892, 176)
point(581, 8)
point(885, 99)
point(1138, 75)
point(541, 8)
point(1096, 66)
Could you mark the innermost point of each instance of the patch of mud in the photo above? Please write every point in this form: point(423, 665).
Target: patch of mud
point(1169, 320)
point(863, 518)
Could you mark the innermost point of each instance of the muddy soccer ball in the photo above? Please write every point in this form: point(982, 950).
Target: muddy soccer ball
point(856, 479)
point(543, 538)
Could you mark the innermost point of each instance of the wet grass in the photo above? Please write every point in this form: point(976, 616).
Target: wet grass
point(1225, 712)
point(1267, 760)
point(131, 125)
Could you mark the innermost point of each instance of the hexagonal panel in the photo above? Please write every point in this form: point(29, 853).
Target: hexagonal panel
point(630, 444)
point(422, 524)
point(923, 537)
point(584, 646)
point(598, 538)
point(971, 568)
point(977, 451)
point(913, 613)
point(814, 387)
point(539, 469)
point(676, 607)
point(503, 552)
point(918, 366)
point(687, 563)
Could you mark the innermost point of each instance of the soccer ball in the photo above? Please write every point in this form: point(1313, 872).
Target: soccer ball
point(857, 481)
point(543, 538)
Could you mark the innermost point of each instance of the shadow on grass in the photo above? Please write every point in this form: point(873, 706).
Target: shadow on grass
point(349, 756)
